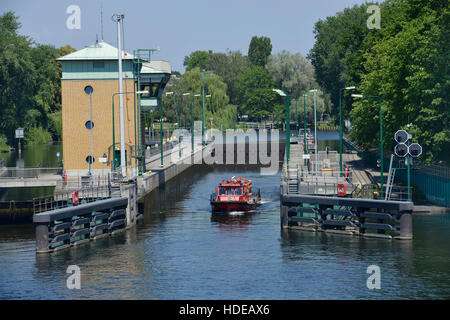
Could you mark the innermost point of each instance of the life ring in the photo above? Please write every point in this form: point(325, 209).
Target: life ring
point(341, 190)
point(75, 198)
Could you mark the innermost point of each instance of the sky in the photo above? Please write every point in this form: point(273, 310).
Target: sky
point(178, 27)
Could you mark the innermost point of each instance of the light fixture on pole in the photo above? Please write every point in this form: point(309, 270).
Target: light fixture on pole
point(113, 166)
point(192, 129)
point(118, 18)
point(288, 129)
point(305, 144)
point(381, 134)
point(315, 129)
point(340, 125)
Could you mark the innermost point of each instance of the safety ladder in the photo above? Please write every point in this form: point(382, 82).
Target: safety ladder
point(390, 180)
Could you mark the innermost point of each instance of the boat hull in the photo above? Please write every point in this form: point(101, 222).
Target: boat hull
point(229, 206)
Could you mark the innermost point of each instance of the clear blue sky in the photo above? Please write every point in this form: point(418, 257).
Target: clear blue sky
point(179, 27)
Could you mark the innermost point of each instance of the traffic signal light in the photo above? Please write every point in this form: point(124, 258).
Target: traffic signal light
point(415, 150)
point(401, 136)
point(401, 150)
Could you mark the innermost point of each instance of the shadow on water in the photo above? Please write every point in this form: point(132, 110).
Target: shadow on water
point(233, 220)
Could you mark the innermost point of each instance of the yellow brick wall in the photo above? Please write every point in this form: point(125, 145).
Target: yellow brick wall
point(76, 111)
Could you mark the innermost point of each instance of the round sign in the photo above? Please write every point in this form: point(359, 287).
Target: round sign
point(58, 154)
point(88, 89)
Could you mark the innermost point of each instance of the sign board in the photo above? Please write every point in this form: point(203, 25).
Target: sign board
point(306, 156)
point(102, 160)
point(19, 133)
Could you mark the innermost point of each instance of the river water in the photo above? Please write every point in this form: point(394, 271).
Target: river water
point(181, 251)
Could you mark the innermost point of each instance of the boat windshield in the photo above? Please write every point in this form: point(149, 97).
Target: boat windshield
point(222, 191)
point(238, 191)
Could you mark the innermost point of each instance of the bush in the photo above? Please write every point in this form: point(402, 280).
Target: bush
point(37, 135)
point(55, 125)
point(3, 143)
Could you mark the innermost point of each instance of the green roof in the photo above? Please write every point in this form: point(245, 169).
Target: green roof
point(101, 50)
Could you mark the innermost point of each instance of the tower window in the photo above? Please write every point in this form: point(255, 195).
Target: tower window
point(90, 159)
point(98, 64)
point(89, 125)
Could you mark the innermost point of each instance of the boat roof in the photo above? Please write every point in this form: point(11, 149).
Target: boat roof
point(235, 182)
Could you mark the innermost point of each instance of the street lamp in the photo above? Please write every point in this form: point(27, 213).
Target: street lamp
point(340, 125)
point(192, 124)
point(381, 135)
point(203, 105)
point(305, 145)
point(113, 167)
point(315, 128)
point(288, 129)
point(296, 116)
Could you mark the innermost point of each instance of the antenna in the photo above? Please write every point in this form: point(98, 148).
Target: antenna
point(101, 17)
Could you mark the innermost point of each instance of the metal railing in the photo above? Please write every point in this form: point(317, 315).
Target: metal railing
point(64, 199)
point(29, 173)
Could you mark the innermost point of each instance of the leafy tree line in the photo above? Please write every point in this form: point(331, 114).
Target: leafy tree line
point(250, 79)
point(30, 86)
point(405, 63)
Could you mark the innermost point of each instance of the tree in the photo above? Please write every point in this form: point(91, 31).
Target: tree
point(291, 72)
point(256, 96)
point(197, 59)
point(17, 76)
point(229, 67)
point(30, 84)
point(337, 54)
point(408, 68)
point(259, 50)
point(217, 106)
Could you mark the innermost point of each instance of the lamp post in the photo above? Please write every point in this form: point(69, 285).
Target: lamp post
point(381, 135)
point(315, 130)
point(296, 116)
point(203, 107)
point(113, 167)
point(183, 95)
point(288, 129)
point(192, 128)
point(305, 144)
point(340, 125)
point(118, 18)
point(207, 96)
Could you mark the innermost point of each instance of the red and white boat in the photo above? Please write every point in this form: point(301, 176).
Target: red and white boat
point(235, 194)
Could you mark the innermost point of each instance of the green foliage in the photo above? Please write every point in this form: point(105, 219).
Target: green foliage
point(405, 63)
point(259, 51)
point(229, 67)
point(55, 125)
point(337, 54)
point(217, 106)
point(3, 143)
point(256, 96)
point(37, 135)
point(291, 72)
point(30, 82)
point(197, 59)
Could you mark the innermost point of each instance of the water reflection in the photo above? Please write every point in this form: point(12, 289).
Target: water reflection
point(233, 220)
